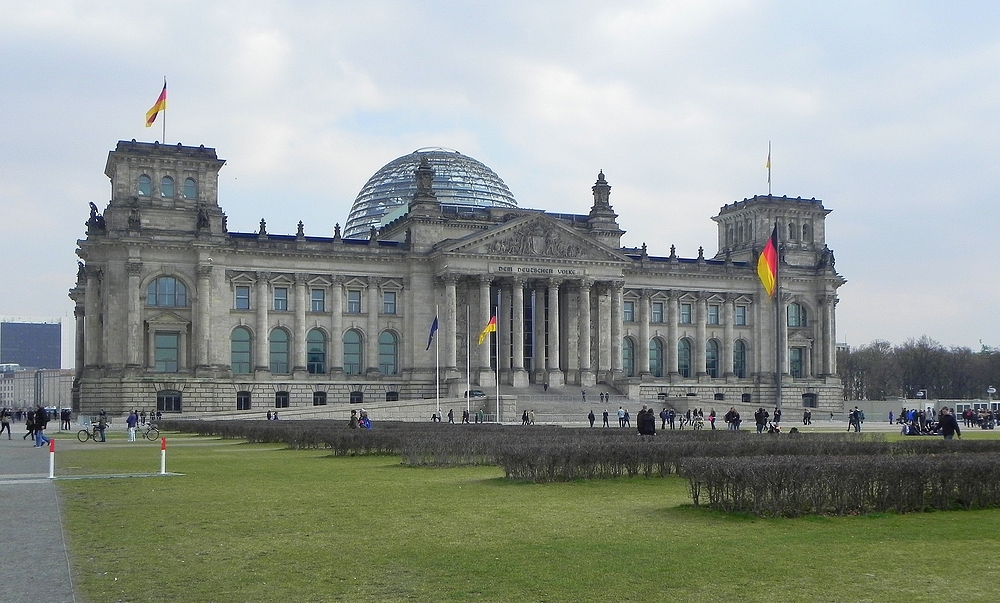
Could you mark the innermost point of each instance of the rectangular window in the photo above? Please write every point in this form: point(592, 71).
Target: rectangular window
point(741, 316)
point(243, 401)
point(242, 297)
point(281, 399)
point(318, 297)
point(281, 298)
point(685, 314)
point(795, 364)
point(657, 312)
point(167, 352)
point(389, 302)
point(713, 314)
point(354, 302)
point(628, 311)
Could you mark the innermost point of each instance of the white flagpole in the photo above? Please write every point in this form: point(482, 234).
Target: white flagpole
point(496, 372)
point(468, 360)
point(437, 366)
point(164, 121)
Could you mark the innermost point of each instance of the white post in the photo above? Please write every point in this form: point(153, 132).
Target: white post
point(437, 366)
point(468, 359)
point(163, 456)
point(52, 458)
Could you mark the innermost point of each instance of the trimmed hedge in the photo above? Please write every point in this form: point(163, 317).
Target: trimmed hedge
point(799, 485)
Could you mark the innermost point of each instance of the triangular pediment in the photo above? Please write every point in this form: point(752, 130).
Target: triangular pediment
point(535, 236)
point(167, 319)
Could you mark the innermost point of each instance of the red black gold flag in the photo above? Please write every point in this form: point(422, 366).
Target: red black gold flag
point(767, 263)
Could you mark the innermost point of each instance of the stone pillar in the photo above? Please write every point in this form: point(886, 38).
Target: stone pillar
point(133, 322)
point(672, 301)
point(616, 329)
point(642, 349)
point(337, 326)
point(92, 325)
point(782, 329)
point(262, 356)
point(374, 297)
point(485, 314)
point(80, 314)
point(587, 378)
point(504, 331)
point(449, 330)
point(538, 326)
point(203, 325)
point(701, 311)
point(728, 316)
point(299, 346)
point(603, 330)
point(832, 351)
point(518, 377)
point(555, 376)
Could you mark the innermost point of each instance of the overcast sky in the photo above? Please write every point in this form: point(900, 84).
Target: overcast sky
point(887, 111)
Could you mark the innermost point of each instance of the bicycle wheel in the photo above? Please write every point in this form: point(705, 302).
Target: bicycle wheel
point(152, 434)
point(83, 435)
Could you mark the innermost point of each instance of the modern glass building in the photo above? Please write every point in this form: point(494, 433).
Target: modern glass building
point(459, 180)
point(31, 344)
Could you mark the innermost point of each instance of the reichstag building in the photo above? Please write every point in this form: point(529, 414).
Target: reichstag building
point(176, 312)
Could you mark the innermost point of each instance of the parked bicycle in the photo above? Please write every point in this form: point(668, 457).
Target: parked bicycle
point(94, 433)
point(151, 432)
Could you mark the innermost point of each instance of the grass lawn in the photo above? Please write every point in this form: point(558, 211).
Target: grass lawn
point(260, 523)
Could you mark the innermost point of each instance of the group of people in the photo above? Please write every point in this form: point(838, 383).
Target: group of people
point(764, 422)
point(528, 417)
point(855, 418)
point(916, 423)
point(35, 422)
point(359, 422)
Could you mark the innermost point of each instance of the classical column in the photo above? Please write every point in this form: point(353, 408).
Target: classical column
point(642, 350)
point(262, 354)
point(299, 357)
point(449, 330)
point(203, 326)
point(616, 328)
point(92, 323)
point(672, 301)
point(603, 330)
point(781, 328)
point(538, 337)
point(504, 328)
point(555, 376)
point(728, 315)
point(518, 377)
point(832, 351)
point(586, 374)
point(337, 325)
point(374, 298)
point(484, 318)
point(80, 314)
point(133, 322)
point(700, 334)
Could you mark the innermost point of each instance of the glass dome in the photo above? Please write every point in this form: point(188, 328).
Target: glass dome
point(458, 180)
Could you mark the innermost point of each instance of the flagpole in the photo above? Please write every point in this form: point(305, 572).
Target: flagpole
point(778, 324)
point(437, 368)
point(768, 168)
point(496, 371)
point(164, 124)
point(468, 360)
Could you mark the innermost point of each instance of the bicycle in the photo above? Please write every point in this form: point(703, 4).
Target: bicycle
point(151, 433)
point(94, 433)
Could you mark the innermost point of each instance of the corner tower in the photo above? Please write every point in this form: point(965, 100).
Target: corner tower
point(744, 227)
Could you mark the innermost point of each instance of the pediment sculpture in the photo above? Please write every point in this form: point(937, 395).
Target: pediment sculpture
point(535, 240)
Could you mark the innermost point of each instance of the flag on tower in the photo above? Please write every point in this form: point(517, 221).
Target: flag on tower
point(491, 327)
point(430, 338)
point(159, 105)
point(767, 263)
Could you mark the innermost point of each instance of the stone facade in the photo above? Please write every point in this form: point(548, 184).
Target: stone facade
point(175, 311)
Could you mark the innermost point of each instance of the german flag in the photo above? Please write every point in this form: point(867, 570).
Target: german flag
point(159, 105)
point(491, 327)
point(767, 263)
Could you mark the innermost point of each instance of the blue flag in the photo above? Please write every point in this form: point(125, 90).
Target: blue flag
point(430, 338)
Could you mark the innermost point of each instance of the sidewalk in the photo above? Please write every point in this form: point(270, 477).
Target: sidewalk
point(36, 562)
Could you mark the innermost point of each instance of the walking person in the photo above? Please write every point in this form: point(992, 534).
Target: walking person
point(5, 421)
point(451, 416)
point(621, 417)
point(711, 418)
point(606, 424)
point(591, 417)
point(29, 425)
point(949, 425)
point(41, 421)
point(132, 422)
point(664, 415)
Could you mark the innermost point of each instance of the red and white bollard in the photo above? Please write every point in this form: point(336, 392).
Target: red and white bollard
point(52, 458)
point(163, 456)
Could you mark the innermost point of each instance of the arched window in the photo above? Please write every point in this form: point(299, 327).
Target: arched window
point(806, 235)
point(656, 357)
point(712, 358)
point(166, 291)
point(740, 359)
point(167, 187)
point(387, 353)
point(279, 351)
point(797, 315)
point(792, 231)
point(316, 352)
point(352, 352)
point(729, 237)
point(240, 345)
point(144, 186)
point(684, 357)
point(190, 188)
point(628, 357)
